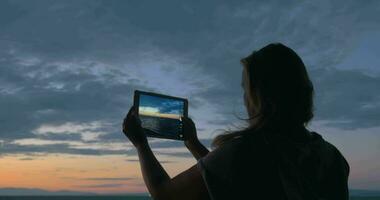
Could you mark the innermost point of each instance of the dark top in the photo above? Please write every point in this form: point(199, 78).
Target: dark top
point(292, 165)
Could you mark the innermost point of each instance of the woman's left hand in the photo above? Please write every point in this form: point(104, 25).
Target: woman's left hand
point(133, 130)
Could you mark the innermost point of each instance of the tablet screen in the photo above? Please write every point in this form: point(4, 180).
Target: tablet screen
point(160, 115)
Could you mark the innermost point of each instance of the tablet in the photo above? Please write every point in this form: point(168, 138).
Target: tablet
point(160, 114)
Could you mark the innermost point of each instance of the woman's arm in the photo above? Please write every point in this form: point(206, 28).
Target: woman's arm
point(155, 176)
point(187, 185)
point(197, 149)
point(191, 139)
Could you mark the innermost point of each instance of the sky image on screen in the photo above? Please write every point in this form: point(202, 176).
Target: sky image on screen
point(161, 115)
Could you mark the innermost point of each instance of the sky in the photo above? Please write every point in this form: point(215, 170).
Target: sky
point(154, 105)
point(68, 70)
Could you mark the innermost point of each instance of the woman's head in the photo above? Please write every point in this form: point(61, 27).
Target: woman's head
point(277, 89)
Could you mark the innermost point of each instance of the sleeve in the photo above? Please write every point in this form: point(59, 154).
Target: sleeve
point(337, 177)
point(216, 170)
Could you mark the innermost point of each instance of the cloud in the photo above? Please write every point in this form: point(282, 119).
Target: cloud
point(68, 70)
point(67, 127)
point(177, 154)
point(35, 146)
point(26, 159)
point(88, 131)
point(148, 109)
point(161, 161)
point(39, 142)
point(164, 143)
point(57, 148)
point(346, 98)
point(32, 145)
point(110, 185)
point(34, 104)
point(108, 179)
point(132, 160)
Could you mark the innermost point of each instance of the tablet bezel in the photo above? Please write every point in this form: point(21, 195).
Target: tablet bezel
point(136, 102)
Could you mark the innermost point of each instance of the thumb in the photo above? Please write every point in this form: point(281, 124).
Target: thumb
point(188, 120)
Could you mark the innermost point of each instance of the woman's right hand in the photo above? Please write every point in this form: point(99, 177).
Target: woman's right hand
point(191, 139)
point(189, 131)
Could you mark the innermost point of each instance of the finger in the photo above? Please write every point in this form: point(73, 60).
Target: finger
point(128, 117)
point(124, 128)
point(185, 120)
point(188, 121)
point(125, 122)
point(130, 112)
point(182, 119)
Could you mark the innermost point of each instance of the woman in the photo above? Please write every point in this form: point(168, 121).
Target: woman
point(275, 157)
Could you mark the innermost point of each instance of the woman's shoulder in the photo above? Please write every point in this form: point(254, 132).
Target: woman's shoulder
point(323, 144)
point(331, 155)
point(224, 162)
point(247, 144)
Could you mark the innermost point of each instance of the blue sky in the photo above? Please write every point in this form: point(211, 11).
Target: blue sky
point(68, 70)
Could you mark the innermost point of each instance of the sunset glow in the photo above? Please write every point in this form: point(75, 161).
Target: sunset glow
point(100, 174)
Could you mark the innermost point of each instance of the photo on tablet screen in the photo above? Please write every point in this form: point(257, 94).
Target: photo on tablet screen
point(160, 116)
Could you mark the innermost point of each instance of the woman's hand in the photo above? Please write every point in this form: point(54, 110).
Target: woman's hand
point(189, 131)
point(133, 130)
point(191, 139)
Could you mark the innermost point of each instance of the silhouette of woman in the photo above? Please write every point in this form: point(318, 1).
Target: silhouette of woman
point(275, 157)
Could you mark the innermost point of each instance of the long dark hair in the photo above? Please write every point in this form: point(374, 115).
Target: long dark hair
point(281, 90)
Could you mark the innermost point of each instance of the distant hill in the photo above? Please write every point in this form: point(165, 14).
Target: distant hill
point(40, 192)
point(366, 193)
